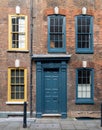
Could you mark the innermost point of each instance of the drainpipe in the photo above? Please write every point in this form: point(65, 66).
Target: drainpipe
point(31, 53)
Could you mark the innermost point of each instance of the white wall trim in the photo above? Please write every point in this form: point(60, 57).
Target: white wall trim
point(15, 103)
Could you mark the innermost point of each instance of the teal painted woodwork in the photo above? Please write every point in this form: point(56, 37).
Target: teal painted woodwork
point(51, 88)
point(84, 86)
point(84, 34)
point(56, 33)
point(51, 91)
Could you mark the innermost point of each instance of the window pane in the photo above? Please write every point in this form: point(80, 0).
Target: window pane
point(56, 29)
point(17, 81)
point(22, 88)
point(56, 32)
point(22, 95)
point(84, 83)
point(79, 95)
point(21, 41)
point(17, 72)
point(21, 80)
point(12, 96)
point(18, 32)
point(88, 95)
point(17, 96)
point(83, 32)
point(21, 72)
point(12, 88)
point(12, 80)
point(56, 21)
point(61, 22)
point(13, 73)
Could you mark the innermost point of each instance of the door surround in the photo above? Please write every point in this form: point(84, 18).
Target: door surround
point(40, 66)
point(51, 60)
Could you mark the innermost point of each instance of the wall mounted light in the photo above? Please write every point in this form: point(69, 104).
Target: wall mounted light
point(56, 10)
point(84, 10)
point(84, 64)
point(17, 9)
point(17, 63)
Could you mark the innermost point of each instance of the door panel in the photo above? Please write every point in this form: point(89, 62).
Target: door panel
point(51, 91)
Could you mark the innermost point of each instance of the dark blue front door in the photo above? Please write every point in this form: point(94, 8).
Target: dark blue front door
point(51, 91)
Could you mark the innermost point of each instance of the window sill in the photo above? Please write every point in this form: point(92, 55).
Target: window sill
point(15, 103)
point(20, 51)
point(82, 101)
point(80, 51)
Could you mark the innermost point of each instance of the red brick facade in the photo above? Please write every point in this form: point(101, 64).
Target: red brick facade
point(41, 9)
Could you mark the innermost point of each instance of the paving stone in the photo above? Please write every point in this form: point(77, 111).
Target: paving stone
point(67, 127)
point(81, 127)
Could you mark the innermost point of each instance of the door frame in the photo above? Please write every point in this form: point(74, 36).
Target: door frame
point(40, 66)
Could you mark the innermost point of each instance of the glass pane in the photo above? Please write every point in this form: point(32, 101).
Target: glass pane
point(61, 21)
point(79, 21)
point(22, 88)
point(79, 37)
point(22, 73)
point(12, 96)
point(79, 29)
point(84, 94)
point(17, 79)
point(79, 88)
point(13, 28)
point(52, 37)
point(17, 95)
point(88, 88)
point(88, 95)
point(60, 44)
point(12, 80)
point(84, 88)
point(56, 21)
point(22, 95)
point(14, 36)
point(17, 88)
point(52, 44)
point(56, 44)
point(13, 20)
point(56, 28)
point(21, 80)
point(51, 21)
point(12, 73)
point(17, 72)
point(52, 29)
point(21, 41)
point(22, 28)
point(87, 29)
point(88, 21)
point(12, 88)
point(79, 95)
point(60, 29)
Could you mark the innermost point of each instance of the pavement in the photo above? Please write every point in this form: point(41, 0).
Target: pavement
point(16, 123)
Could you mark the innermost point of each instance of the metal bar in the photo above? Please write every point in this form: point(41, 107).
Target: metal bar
point(25, 116)
point(101, 114)
point(31, 41)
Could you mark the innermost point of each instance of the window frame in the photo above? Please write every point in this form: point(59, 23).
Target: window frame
point(10, 33)
point(58, 50)
point(85, 100)
point(9, 85)
point(84, 50)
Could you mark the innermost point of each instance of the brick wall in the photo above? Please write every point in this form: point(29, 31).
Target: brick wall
point(7, 58)
point(43, 8)
point(70, 9)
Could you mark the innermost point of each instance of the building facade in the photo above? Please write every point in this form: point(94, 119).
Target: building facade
point(48, 57)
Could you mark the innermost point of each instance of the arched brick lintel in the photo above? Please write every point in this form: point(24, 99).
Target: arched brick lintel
point(50, 11)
